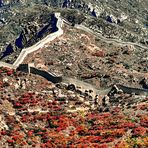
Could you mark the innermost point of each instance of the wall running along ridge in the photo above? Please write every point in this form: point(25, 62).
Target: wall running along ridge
point(36, 46)
point(50, 76)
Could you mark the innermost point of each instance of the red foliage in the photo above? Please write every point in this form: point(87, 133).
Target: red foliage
point(144, 121)
point(139, 131)
point(127, 125)
point(10, 141)
point(72, 130)
point(9, 73)
point(107, 140)
point(99, 54)
point(3, 132)
point(15, 137)
point(30, 133)
point(17, 104)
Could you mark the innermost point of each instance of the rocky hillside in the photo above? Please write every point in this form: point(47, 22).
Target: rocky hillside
point(123, 20)
point(36, 113)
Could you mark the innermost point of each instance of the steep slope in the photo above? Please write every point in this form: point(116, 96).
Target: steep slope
point(127, 21)
point(35, 113)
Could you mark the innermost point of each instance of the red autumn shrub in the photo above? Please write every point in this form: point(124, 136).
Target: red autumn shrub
point(139, 131)
point(10, 141)
point(3, 132)
point(144, 121)
point(127, 125)
point(17, 104)
point(9, 73)
point(106, 140)
point(30, 133)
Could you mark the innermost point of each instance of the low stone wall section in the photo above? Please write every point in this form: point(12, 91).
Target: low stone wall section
point(45, 74)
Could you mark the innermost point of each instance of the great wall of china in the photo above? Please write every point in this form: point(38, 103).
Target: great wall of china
point(36, 46)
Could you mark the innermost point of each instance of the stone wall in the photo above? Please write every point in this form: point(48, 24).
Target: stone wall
point(47, 75)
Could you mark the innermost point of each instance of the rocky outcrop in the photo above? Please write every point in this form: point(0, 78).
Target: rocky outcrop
point(30, 35)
